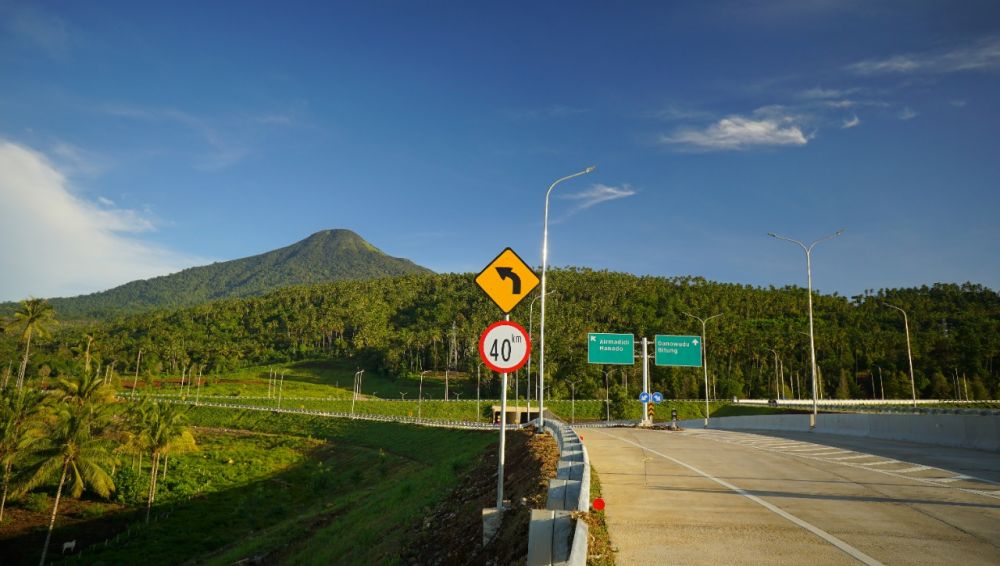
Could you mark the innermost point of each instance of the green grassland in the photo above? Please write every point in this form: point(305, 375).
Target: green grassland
point(291, 488)
point(322, 379)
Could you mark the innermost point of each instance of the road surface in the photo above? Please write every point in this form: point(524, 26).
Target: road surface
point(719, 497)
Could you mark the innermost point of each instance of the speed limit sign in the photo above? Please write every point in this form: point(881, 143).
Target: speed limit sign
point(504, 346)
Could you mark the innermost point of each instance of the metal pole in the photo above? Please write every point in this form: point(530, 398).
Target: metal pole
point(541, 324)
point(607, 397)
point(420, 400)
point(572, 403)
point(503, 436)
point(353, 397)
point(645, 380)
point(777, 395)
point(704, 357)
point(812, 339)
point(135, 382)
point(478, 411)
point(909, 352)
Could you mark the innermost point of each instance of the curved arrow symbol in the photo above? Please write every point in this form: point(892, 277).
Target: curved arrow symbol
point(508, 273)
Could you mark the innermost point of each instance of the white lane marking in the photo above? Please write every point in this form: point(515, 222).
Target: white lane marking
point(959, 477)
point(882, 463)
point(941, 482)
point(917, 468)
point(843, 546)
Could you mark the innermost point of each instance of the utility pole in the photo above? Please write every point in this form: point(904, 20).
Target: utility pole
point(135, 382)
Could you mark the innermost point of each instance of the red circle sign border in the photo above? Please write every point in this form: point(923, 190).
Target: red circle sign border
point(482, 344)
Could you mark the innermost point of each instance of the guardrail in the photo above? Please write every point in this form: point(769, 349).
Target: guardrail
point(552, 537)
point(339, 414)
point(964, 431)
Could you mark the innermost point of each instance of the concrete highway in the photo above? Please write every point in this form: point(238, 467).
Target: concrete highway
point(719, 497)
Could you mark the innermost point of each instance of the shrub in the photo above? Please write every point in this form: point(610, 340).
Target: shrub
point(130, 486)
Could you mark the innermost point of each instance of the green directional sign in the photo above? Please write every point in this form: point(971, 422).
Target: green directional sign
point(678, 350)
point(605, 348)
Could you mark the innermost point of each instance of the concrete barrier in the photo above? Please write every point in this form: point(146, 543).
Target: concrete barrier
point(978, 432)
point(552, 536)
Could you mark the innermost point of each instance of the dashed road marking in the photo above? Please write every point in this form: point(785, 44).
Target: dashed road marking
point(843, 546)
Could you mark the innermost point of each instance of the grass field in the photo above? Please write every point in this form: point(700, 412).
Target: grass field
point(290, 488)
point(325, 378)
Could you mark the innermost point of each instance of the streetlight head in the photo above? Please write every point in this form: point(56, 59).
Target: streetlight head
point(590, 169)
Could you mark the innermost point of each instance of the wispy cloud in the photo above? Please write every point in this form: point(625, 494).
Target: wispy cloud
point(225, 152)
point(980, 55)
point(824, 93)
point(76, 245)
point(851, 122)
point(768, 126)
point(906, 113)
point(74, 160)
point(673, 113)
point(597, 194)
point(552, 111)
point(35, 28)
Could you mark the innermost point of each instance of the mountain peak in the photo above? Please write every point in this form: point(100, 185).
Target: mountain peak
point(327, 255)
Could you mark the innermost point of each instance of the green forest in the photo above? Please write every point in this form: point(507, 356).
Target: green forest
point(404, 325)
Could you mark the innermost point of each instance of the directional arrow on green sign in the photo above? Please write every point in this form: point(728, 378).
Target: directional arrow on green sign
point(618, 349)
point(684, 351)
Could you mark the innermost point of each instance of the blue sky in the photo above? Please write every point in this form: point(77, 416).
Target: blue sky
point(140, 138)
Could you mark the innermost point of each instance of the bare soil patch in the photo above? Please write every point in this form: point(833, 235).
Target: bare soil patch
point(451, 533)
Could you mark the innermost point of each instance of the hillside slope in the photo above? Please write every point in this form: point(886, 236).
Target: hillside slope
point(329, 255)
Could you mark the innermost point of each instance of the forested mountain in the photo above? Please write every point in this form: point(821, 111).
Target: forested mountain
point(403, 325)
point(330, 255)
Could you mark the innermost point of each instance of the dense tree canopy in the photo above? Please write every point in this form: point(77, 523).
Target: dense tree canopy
point(404, 324)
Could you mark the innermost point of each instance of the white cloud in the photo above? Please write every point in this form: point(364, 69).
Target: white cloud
point(958, 103)
point(225, 152)
point(981, 55)
point(852, 122)
point(769, 127)
point(599, 193)
point(58, 244)
point(906, 113)
point(822, 93)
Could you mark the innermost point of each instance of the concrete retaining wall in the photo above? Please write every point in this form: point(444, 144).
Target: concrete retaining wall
point(552, 536)
point(965, 431)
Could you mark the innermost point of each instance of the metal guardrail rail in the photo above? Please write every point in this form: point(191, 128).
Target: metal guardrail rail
point(338, 414)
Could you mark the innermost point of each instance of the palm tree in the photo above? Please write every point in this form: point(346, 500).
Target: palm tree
point(164, 431)
point(85, 390)
point(18, 432)
point(33, 318)
point(73, 449)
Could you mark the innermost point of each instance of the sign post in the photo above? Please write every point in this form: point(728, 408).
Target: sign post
point(504, 346)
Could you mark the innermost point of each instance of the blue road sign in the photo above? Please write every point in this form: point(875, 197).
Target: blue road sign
point(657, 397)
point(644, 397)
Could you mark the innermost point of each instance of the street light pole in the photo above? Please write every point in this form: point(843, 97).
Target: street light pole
point(909, 353)
point(704, 356)
point(531, 314)
point(572, 403)
point(812, 336)
point(420, 399)
point(777, 394)
point(545, 262)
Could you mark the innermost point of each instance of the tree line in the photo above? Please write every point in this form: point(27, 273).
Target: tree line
point(67, 435)
point(759, 347)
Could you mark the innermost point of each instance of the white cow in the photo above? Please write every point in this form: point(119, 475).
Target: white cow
point(70, 546)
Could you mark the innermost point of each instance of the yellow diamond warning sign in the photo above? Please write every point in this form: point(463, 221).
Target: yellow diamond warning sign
point(507, 280)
